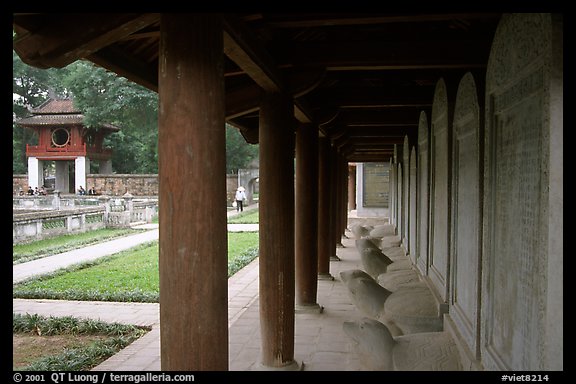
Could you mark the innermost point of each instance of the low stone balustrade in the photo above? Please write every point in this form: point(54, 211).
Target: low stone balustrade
point(40, 217)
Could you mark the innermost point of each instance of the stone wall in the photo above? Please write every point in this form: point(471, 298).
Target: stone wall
point(19, 183)
point(119, 184)
point(111, 185)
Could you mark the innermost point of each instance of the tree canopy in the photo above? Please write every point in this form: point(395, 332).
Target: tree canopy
point(104, 97)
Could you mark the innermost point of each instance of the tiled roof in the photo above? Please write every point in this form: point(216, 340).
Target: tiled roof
point(57, 112)
point(56, 106)
point(67, 119)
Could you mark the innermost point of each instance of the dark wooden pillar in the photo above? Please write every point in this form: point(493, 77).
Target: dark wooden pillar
point(276, 137)
point(344, 206)
point(334, 212)
point(351, 187)
point(343, 197)
point(324, 239)
point(306, 218)
point(336, 187)
point(192, 157)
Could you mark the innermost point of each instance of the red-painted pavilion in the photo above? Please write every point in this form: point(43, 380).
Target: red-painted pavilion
point(64, 139)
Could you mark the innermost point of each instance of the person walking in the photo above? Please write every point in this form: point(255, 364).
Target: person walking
point(240, 197)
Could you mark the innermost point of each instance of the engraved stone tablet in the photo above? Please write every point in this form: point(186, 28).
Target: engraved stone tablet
point(423, 188)
point(440, 190)
point(466, 211)
point(405, 193)
point(412, 207)
point(399, 199)
point(522, 307)
point(376, 184)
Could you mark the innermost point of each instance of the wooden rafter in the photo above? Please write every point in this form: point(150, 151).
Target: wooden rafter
point(56, 43)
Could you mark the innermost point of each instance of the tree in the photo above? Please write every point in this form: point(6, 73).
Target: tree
point(238, 152)
point(30, 87)
point(103, 97)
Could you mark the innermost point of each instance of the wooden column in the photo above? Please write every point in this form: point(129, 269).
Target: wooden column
point(351, 187)
point(343, 196)
point(192, 192)
point(276, 137)
point(334, 212)
point(307, 218)
point(324, 239)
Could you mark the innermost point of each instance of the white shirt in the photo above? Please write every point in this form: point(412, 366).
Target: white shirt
point(240, 195)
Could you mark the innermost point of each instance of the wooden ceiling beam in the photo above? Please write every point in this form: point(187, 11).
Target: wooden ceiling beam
point(380, 117)
point(323, 20)
point(117, 61)
point(243, 48)
point(378, 55)
point(364, 142)
point(363, 158)
point(374, 154)
point(373, 97)
point(302, 111)
point(241, 101)
point(246, 99)
point(63, 39)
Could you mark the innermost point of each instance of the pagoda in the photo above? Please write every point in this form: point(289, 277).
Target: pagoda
point(64, 139)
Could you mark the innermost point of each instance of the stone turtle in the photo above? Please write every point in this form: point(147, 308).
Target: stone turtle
point(432, 351)
point(366, 294)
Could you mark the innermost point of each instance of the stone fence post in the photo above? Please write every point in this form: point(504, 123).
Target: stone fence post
point(56, 200)
point(105, 200)
point(129, 206)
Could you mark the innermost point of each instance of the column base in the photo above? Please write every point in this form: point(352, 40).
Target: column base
point(308, 308)
point(292, 366)
point(335, 258)
point(325, 276)
point(340, 245)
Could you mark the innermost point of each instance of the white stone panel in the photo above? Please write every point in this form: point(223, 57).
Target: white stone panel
point(522, 308)
point(406, 193)
point(467, 227)
point(440, 191)
point(423, 188)
point(412, 206)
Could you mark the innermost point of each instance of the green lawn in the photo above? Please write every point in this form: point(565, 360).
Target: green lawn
point(250, 217)
point(131, 275)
